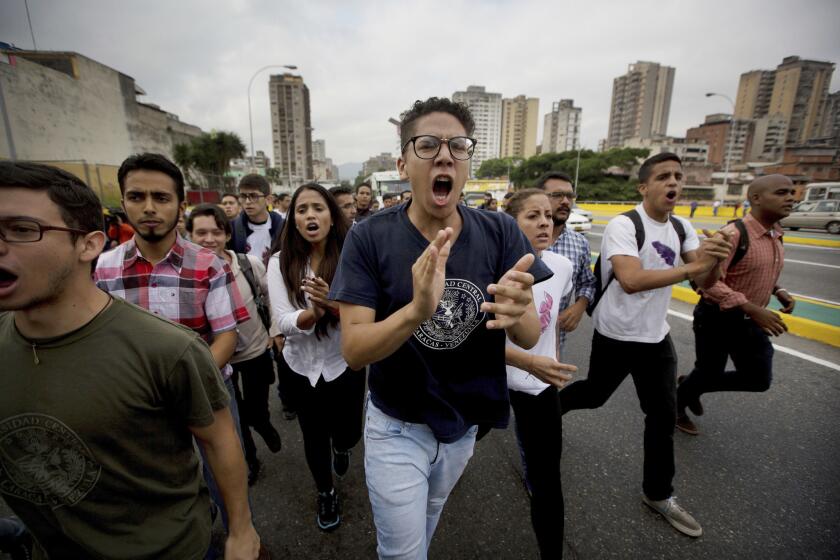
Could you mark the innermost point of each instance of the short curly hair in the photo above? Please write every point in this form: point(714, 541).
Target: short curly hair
point(434, 105)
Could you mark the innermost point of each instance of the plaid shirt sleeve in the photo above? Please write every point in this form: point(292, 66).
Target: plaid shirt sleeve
point(584, 278)
point(224, 306)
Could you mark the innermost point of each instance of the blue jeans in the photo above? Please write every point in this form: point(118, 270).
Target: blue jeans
point(215, 494)
point(409, 477)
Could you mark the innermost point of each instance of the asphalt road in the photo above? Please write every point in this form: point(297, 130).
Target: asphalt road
point(762, 478)
point(810, 271)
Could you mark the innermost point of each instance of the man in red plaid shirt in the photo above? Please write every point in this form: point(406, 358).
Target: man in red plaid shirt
point(172, 277)
point(732, 319)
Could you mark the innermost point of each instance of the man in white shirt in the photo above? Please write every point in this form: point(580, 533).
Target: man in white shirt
point(256, 228)
point(631, 331)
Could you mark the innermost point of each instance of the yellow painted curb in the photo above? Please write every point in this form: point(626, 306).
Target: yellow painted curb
point(788, 239)
point(799, 326)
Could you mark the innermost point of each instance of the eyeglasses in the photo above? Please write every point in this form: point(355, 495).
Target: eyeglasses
point(428, 147)
point(20, 230)
point(250, 197)
point(559, 194)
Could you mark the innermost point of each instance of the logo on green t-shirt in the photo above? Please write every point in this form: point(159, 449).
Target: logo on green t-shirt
point(44, 462)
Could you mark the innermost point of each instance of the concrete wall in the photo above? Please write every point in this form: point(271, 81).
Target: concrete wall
point(57, 116)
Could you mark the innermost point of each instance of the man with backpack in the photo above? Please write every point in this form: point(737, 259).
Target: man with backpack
point(731, 319)
point(252, 358)
point(255, 229)
point(641, 250)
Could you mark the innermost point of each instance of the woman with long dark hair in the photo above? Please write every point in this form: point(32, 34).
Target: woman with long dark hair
point(534, 376)
point(327, 395)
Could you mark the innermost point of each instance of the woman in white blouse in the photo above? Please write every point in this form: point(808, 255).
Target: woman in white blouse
point(534, 376)
point(327, 395)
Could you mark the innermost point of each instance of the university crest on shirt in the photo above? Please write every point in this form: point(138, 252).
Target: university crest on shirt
point(458, 314)
point(44, 462)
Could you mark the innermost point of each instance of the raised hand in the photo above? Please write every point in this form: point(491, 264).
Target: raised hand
point(512, 294)
point(714, 248)
point(318, 290)
point(428, 275)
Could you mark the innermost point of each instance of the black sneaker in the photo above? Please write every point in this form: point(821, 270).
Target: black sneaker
point(328, 510)
point(341, 462)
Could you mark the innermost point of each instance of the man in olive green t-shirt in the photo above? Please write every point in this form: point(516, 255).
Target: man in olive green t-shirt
point(99, 400)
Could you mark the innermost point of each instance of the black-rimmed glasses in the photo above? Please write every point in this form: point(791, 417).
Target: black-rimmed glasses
point(249, 197)
point(428, 147)
point(22, 230)
point(558, 194)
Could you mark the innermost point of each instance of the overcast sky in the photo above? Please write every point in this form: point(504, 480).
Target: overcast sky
point(367, 61)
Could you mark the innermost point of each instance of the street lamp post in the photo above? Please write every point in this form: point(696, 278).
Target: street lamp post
point(729, 139)
point(250, 83)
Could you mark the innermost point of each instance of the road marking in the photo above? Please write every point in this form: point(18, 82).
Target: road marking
point(784, 349)
point(815, 247)
point(811, 263)
point(813, 299)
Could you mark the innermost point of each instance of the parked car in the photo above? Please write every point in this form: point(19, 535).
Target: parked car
point(585, 213)
point(576, 222)
point(815, 214)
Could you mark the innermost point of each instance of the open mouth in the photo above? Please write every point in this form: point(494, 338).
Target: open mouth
point(671, 195)
point(441, 188)
point(7, 278)
point(312, 227)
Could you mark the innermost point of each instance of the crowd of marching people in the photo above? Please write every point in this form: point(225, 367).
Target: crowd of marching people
point(139, 353)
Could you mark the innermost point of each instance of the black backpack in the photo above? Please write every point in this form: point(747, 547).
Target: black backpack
point(260, 298)
point(640, 241)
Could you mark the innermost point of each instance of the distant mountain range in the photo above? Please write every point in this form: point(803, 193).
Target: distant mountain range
point(348, 171)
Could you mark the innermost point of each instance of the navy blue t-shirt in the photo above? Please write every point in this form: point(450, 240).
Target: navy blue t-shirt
point(450, 374)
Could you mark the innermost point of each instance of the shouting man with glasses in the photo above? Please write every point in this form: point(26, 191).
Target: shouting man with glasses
point(428, 311)
point(99, 399)
point(572, 245)
point(255, 229)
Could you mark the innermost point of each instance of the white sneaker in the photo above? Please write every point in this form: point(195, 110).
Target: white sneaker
point(680, 519)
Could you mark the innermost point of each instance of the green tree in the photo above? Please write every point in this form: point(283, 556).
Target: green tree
point(497, 168)
point(595, 180)
point(210, 154)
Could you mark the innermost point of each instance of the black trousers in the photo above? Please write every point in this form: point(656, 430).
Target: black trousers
point(256, 375)
point(330, 416)
point(653, 367)
point(539, 430)
point(718, 335)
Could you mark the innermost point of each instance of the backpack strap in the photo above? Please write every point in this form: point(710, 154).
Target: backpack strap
point(259, 297)
point(743, 242)
point(680, 229)
point(240, 235)
point(640, 227)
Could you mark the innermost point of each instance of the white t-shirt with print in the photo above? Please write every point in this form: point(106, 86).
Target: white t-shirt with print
point(547, 297)
point(639, 317)
point(259, 241)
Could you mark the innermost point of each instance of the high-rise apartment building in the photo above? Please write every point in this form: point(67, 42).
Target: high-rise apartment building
point(519, 127)
point(486, 109)
point(641, 102)
point(561, 127)
point(755, 89)
point(319, 150)
point(291, 127)
point(800, 90)
point(830, 130)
